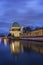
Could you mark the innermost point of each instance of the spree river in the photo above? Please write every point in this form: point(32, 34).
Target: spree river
point(25, 58)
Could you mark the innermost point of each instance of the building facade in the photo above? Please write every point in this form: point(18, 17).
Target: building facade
point(36, 33)
point(15, 30)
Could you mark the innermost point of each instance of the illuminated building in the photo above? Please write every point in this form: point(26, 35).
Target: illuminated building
point(15, 30)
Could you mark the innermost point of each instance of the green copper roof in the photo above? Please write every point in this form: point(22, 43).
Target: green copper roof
point(15, 24)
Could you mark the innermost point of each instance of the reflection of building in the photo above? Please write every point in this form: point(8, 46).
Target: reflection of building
point(3, 39)
point(15, 30)
point(15, 46)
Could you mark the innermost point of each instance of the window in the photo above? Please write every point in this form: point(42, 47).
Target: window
point(15, 29)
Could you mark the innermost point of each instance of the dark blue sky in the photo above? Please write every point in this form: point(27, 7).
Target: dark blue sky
point(25, 12)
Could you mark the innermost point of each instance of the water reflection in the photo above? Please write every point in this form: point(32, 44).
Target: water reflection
point(15, 46)
point(18, 46)
point(0, 40)
point(30, 58)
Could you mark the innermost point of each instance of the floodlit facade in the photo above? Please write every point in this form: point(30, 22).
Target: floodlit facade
point(38, 32)
point(15, 30)
point(34, 33)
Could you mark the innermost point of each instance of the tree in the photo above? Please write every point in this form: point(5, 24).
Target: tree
point(27, 29)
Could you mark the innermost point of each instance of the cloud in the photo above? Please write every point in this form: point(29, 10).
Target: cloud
point(26, 12)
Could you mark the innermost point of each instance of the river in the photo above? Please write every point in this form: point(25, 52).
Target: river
point(25, 58)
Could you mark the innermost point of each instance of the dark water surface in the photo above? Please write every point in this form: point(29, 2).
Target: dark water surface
point(25, 58)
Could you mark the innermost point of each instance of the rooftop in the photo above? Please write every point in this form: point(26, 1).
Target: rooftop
point(15, 24)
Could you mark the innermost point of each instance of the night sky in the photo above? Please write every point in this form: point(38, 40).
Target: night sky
point(25, 12)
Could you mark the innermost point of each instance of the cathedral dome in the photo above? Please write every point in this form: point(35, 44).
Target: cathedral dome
point(15, 24)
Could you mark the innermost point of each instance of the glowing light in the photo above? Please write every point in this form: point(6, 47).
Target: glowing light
point(0, 40)
point(13, 46)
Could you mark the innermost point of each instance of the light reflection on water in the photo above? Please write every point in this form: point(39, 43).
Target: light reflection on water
point(25, 58)
point(15, 46)
point(0, 40)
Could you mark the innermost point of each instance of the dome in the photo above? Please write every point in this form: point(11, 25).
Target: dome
point(15, 24)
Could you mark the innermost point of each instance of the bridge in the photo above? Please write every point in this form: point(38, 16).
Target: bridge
point(35, 44)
